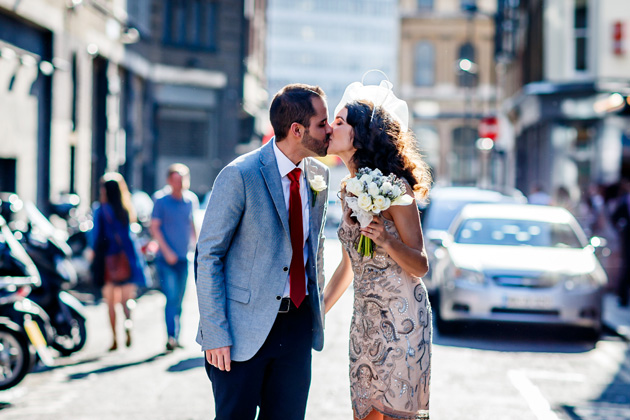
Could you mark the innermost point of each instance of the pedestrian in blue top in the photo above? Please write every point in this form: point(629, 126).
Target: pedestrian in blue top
point(111, 235)
point(173, 228)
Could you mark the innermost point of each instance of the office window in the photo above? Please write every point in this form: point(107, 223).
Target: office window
point(581, 34)
point(139, 12)
point(424, 64)
point(190, 23)
point(184, 132)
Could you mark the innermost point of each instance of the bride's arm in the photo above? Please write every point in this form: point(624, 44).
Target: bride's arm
point(408, 251)
point(339, 281)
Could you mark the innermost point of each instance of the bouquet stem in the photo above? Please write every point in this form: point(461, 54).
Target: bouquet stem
point(365, 247)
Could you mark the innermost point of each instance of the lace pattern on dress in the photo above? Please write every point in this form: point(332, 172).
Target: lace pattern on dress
point(390, 333)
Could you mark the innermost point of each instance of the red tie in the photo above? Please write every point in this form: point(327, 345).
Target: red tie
point(296, 273)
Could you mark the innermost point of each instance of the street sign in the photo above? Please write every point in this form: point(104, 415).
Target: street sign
point(489, 128)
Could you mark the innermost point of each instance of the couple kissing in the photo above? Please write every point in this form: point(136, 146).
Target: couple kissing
point(259, 260)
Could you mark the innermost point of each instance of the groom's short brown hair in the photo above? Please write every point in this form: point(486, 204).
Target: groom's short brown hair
point(293, 104)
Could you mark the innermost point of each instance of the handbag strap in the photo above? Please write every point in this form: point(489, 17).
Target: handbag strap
point(109, 220)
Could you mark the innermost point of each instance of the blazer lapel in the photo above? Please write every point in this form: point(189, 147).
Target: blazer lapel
point(269, 170)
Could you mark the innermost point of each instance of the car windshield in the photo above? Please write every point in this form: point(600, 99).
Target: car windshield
point(507, 232)
point(441, 213)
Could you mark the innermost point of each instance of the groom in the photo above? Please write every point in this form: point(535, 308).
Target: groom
point(259, 266)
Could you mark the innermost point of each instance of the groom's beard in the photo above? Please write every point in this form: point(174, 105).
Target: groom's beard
point(319, 147)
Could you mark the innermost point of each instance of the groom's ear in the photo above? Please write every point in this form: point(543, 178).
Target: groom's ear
point(297, 130)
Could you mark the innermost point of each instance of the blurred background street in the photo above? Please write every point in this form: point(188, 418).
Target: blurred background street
point(491, 372)
point(522, 103)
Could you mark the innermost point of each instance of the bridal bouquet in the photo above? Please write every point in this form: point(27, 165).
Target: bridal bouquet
point(373, 193)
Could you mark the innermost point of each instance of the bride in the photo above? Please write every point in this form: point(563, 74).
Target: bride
point(390, 332)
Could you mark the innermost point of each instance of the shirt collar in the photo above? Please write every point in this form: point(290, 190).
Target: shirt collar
point(284, 163)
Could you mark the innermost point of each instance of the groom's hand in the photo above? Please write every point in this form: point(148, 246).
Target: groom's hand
point(219, 358)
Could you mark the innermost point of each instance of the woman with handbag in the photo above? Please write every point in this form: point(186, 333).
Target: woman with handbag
point(117, 266)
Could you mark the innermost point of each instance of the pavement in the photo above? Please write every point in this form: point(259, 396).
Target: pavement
point(615, 317)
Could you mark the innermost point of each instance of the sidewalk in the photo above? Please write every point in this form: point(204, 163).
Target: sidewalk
point(615, 317)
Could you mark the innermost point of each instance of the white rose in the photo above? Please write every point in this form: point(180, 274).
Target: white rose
point(386, 187)
point(366, 178)
point(354, 186)
point(403, 200)
point(396, 191)
point(365, 202)
point(381, 203)
point(318, 183)
point(373, 189)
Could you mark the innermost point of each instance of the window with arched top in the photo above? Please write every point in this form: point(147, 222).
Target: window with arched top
point(467, 68)
point(424, 64)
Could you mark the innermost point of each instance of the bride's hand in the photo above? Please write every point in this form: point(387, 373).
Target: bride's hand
point(376, 231)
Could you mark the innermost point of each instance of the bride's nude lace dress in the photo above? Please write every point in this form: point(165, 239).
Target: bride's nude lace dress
point(390, 333)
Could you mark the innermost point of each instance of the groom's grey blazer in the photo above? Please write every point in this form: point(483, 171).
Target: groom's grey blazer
point(244, 254)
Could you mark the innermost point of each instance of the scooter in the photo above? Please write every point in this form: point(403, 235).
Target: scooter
point(52, 257)
point(21, 320)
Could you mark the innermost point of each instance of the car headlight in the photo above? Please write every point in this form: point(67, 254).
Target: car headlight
point(471, 276)
point(580, 281)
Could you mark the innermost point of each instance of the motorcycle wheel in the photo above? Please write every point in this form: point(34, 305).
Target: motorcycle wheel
point(72, 337)
point(15, 357)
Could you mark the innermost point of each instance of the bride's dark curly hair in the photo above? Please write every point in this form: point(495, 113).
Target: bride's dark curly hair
point(381, 144)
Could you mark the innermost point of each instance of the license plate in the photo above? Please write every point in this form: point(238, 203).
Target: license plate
point(528, 302)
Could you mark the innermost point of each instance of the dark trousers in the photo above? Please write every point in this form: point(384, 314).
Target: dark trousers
point(276, 379)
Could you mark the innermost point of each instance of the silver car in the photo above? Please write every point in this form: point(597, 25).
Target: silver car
point(443, 206)
point(519, 263)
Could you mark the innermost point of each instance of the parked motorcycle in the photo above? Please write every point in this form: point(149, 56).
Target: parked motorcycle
point(52, 257)
point(21, 320)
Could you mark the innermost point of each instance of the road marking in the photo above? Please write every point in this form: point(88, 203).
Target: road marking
point(535, 399)
point(555, 376)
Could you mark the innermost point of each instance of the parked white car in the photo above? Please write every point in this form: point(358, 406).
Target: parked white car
point(519, 263)
point(443, 206)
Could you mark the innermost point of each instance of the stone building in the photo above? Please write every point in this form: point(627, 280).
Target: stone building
point(88, 86)
point(566, 83)
point(193, 87)
point(447, 76)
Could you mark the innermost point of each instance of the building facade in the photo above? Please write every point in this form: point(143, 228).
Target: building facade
point(51, 52)
point(330, 43)
point(193, 86)
point(89, 86)
point(447, 76)
point(566, 84)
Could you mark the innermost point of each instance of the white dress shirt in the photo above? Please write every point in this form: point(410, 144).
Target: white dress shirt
point(285, 166)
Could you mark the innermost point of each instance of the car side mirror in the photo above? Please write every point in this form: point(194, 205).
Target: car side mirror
point(439, 242)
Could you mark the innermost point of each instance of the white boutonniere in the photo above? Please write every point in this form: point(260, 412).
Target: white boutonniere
point(318, 184)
